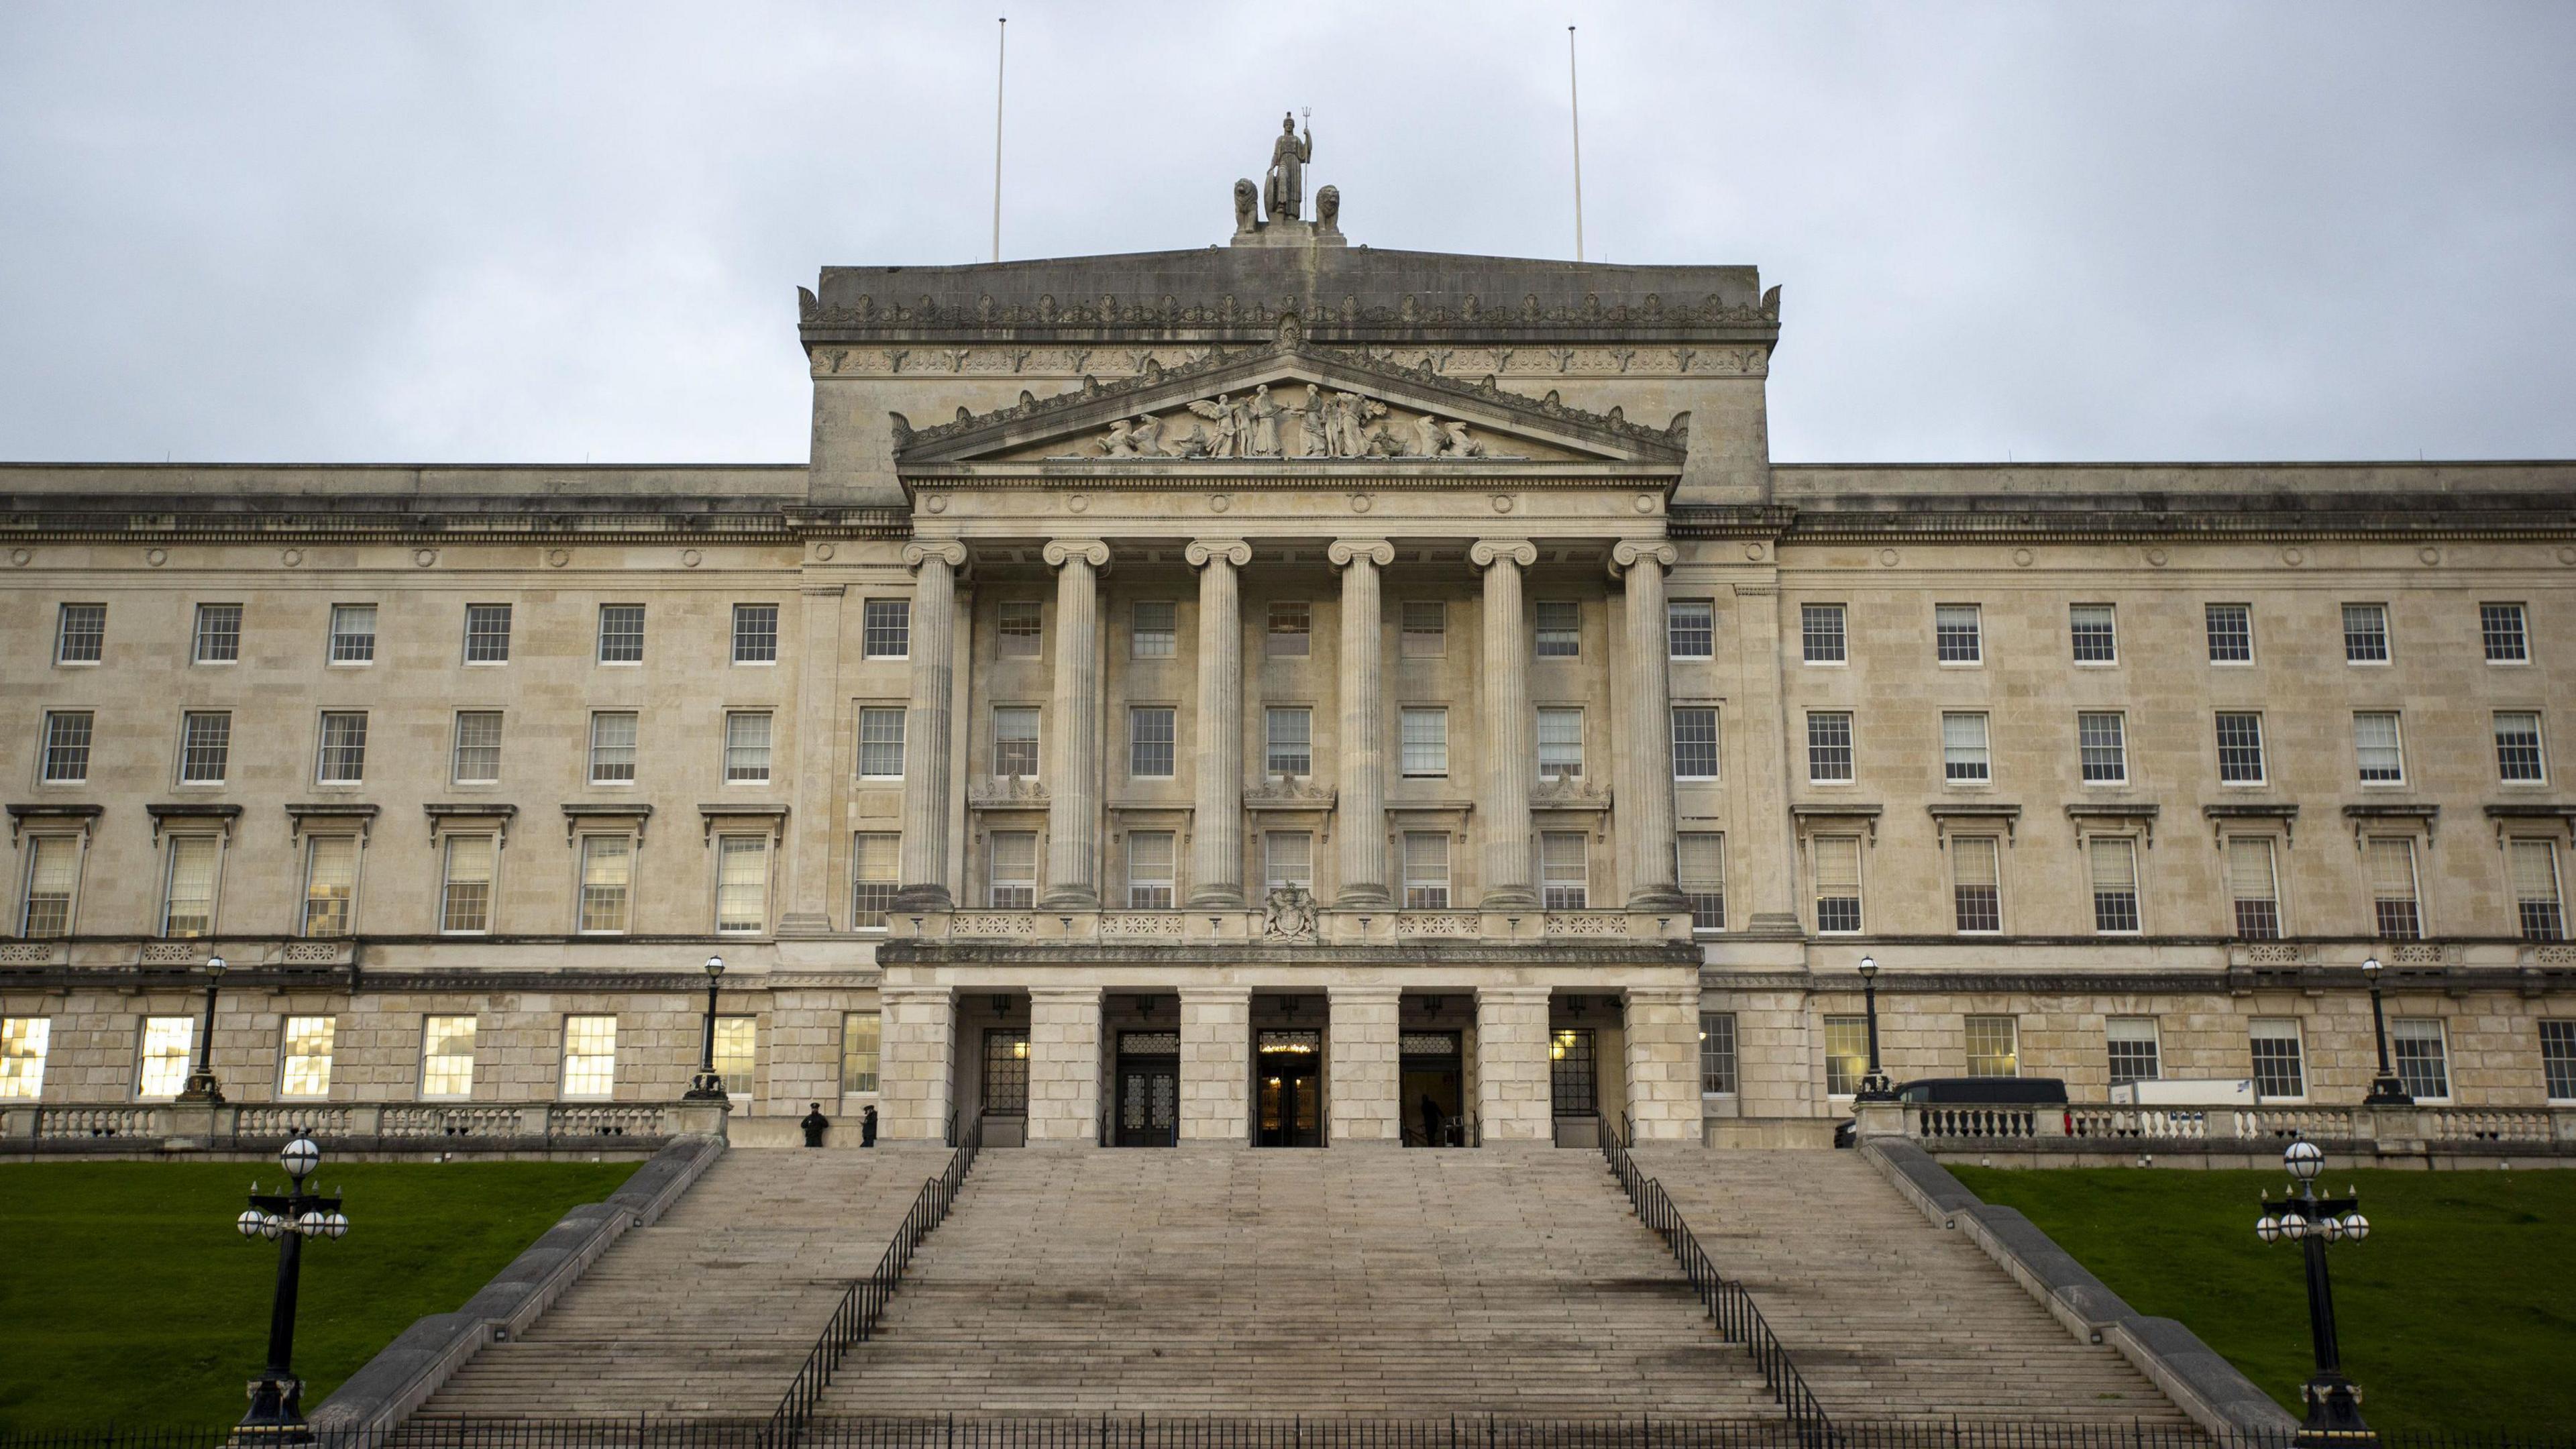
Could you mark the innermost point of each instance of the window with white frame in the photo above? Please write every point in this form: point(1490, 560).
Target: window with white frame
point(2112, 861)
point(885, 628)
point(1700, 859)
point(465, 889)
point(1150, 741)
point(487, 633)
point(1994, 1046)
point(1013, 881)
point(304, 1057)
point(477, 757)
point(1690, 628)
point(446, 1058)
point(2280, 1067)
point(1717, 1074)
point(1424, 743)
point(330, 884)
point(1015, 741)
point(2557, 1060)
point(188, 899)
point(875, 862)
point(2517, 745)
point(861, 1033)
point(607, 883)
point(161, 1065)
point(1565, 870)
point(1019, 629)
point(1837, 859)
point(746, 747)
point(205, 746)
point(2417, 1049)
point(1423, 629)
point(24, 1041)
point(2102, 747)
point(1291, 630)
point(589, 1056)
point(67, 741)
point(53, 877)
point(1151, 858)
point(742, 884)
point(1829, 747)
point(621, 633)
point(218, 634)
point(1846, 1054)
point(1560, 629)
point(736, 1058)
point(2501, 627)
point(343, 759)
point(2253, 885)
point(1976, 884)
point(1290, 737)
point(1958, 634)
point(80, 634)
point(881, 742)
point(2230, 628)
point(2378, 749)
point(1695, 754)
point(1154, 629)
point(1821, 635)
point(2365, 633)
point(2536, 896)
point(1426, 870)
point(1964, 760)
point(1560, 744)
point(2396, 909)
point(353, 634)
point(2240, 747)
point(2095, 632)
point(1288, 859)
point(755, 633)
point(2133, 1053)
point(612, 747)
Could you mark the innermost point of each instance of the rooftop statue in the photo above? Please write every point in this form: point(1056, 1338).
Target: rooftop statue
point(1284, 189)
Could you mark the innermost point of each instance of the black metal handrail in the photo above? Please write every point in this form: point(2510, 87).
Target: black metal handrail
point(1729, 1305)
point(863, 1305)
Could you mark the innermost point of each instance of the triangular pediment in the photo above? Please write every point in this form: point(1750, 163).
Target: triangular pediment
point(1287, 405)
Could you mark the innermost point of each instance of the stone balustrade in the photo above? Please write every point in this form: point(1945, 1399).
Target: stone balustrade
point(389, 1128)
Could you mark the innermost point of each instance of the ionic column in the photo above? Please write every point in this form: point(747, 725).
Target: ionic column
point(1646, 786)
point(1073, 765)
point(1510, 762)
point(1363, 765)
point(1216, 841)
point(928, 729)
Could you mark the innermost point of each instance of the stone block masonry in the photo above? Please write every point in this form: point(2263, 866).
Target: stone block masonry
point(1064, 1065)
point(1216, 1063)
point(1366, 1072)
point(1513, 1101)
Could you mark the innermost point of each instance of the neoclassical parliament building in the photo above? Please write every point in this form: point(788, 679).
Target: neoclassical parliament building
point(1285, 693)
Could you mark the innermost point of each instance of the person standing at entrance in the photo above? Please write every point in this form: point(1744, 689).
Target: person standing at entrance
point(1431, 1123)
point(868, 1127)
point(815, 1125)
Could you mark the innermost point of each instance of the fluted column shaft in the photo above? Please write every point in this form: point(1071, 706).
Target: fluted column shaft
point(1362, 774)
point(1510, 762)
point(1646, 795)
point(1216, 842)
point(927, 727)
point(1073, 764)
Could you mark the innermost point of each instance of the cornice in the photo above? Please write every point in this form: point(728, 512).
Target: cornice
point(1228, 318)
point(676, 520)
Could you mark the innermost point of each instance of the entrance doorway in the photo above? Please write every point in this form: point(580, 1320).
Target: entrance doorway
point(1288, 1073)
point(1574, 1081)
point(1149, 1089)
point(1434, 1089)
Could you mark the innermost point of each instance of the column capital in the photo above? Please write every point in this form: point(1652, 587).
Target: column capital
point(1062, 551)
point(1205, 551)
point(1627, 553)
point(1346, 551)
point(947, 550)
point(1487, 552)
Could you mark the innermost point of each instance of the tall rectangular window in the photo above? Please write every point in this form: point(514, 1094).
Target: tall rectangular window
point(1963, 749)
point(2536, 897)
point(2280, 1068)
point(1425, 629)
point(67, 737)
point(330, 884)
point(161, 1068)
point(1695, 742)
point(1846, 1054)
point(1700, 856)
point(53, 873)
point(885, 628)
point(1560, 629)
point(861, 1031)
point(1958, 634)
point(447, 1057)
point(353, 634)
point(344, 748)
point(80, 634)
point(2517, 745)
point(1014, 880)
point(1560, 744)
point(487, 633)
point(2391, 863)
point(621, 633)
point(188, 903)
point(1994, 1046)
point(607, 881)
point(1717, 1075)
point(2133, 1049)
point(1837, 882)
point(1291, 629)
point(1829, 747)
point(1425, 743)
point(205, 746)
point(1690, 628)
point(465, 894)
point(2113, 864)
point(1150, 739)
point(304, 1057)
point(2365, 633)
point(2418, 1052)
point(2252, 885)
point(2240, 748)
point(218, 639)
point(755, 633)
point(881, 743)
point(1006, 1071)
point(1426, 870)
point(612, 747)
point(1291, 740)
point(742, 883)
point(1154, 629)
point(2231, 633)
point(1151, 855)
point(2501, 627)
point(746, 752)
point(589, 1056)
point(1976, 886)
point(24, 1040)
point(2377, 748)
point(1015, 741)
point(2557, 1060)
point(1020, 629)
point(736, 1058)
point(2094, 628)
point(1565, 870)
point(2102, 745)
point(875, 861)
point(478, 747)
point(1820, 631)
point(1288, 859)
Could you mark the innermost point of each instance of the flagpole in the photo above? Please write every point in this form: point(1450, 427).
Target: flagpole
point(1001, 47)
point(1574, 94)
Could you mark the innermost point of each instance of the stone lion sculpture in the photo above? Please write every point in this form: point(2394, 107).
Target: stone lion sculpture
point(1328, 209)
point(1247, 203)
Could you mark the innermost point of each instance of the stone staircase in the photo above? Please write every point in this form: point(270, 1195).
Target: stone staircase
point(1326, 1284)
point(711, 1311)
point(1886, 1314)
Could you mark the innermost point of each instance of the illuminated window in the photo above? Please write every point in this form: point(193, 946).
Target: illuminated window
point(161, 1068)
point(1846, 1054)
point(304, 1068)
point(589, 1056)
point(1994, 1046)
point(330, 884)
point(23, 1044)
point(860, 1033)
point(737, 1055)
point(447, 1057)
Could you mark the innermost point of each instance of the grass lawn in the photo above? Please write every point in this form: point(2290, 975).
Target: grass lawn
point(2458, 1313)
point(129, 1297)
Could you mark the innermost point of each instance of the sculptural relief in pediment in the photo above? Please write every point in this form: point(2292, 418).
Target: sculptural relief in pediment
point(1306, 421)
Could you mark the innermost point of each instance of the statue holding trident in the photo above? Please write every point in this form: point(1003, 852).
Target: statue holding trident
point(1284, 188)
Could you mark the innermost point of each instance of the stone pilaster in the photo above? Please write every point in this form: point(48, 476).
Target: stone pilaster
point(1663, 1063)
point(1216, 840)
point(915, 1049)
point(928, 726)
point(1767, 859)
point(1367, 1092)
point(1362, 775)
point(1064, 1065)
point(809, 833)
point(1510, 759)
point(1216, 1064)
point(1646, 715)
point(1514, 1103)
point(1073, 761)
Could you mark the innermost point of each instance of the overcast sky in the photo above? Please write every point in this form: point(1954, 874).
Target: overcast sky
point(549, 232)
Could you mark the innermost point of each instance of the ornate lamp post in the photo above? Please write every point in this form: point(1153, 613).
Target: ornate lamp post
point(277, 1395)
point(1874, 1085)
point(2385, 1089)
point(2334, 1405)
point(201, 1085)
point(707, 1086)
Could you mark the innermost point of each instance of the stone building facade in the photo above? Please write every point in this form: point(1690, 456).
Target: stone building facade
point(1289, 693)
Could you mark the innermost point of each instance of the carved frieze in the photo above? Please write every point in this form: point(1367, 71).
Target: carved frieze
point(894, 315)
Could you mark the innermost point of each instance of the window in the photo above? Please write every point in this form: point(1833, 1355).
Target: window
point(746, 755)
point(2102, 746)
point(2557, 1060)
point(1695, 742)
point(2231, 633)
point(304, 1065)
point(885, 629)
point(1425, 743)
point(1149, 741)
point(1837, 882)
point(1425, 629)
point(1717, 1053)
point(465, 892)
point(205, 746)
point(67, 736)
point(188, 899)
point(2423, 1067)
point(353, 634)
point(330, 883)
point(755, 633)
point(742, 883)
point(1573, 1072)
point(2113, 863)
point(875, 862)
point(1994, 1046)
point(1150, 858)
point(478, 746)
point(1957, 636)
point(1020, 629)
point(1291, 735)
point(163, 1065)
point(621, 633)
point(2377, 749)
point(487, 633)
point(1690, 628)
point(1006, 1070)
point(218, 634)
point(1560, 744)
point(2240, 748)
point(2535, 890)
point(2391, 863)
point(2279, 1067)
point(2252, 885)
point(80, 634)
point(1015, 741)
point(1976, 890)
point(1829, 748)
point(1291, 625)
point(2517, 743)
point(1015, 870)
point(881, 743)
point(1701, 858)
point(344, 748)
point(2365, 633)
point(2501, 625)
point(860, 1033)
point(2095, 631)
point(2133, 1049)
point(23, 1043)
point(1288, 859)
point(1963, 749)
point(1154, 629)
point(737, 1055)
point(1426, 870)
point(1564, 870)
point(447, 1056)
point(53, 872)
point(1846, 1054)
point(607, 879)
point(1821, 628)
point(1560, 629)
point(612, 747)
point(589, 1056)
